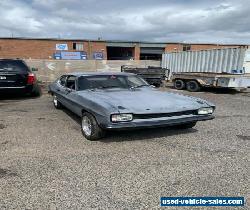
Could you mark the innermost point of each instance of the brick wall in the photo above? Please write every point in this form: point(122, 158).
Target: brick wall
point(137, 52)
point(44, 49)
point(97, 47)
point(179, 47)
point(173, 47)
point(206, 47)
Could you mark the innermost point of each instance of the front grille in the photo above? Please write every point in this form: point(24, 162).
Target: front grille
point(159, 115)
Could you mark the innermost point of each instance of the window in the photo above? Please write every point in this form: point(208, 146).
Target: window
point(71, 82)
point(62, 80)
point(13, 66)
point(78, 46)
point(109, 81)
point(186, 47)
point(135, 81)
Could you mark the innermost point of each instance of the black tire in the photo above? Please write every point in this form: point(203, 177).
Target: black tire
point(57, 104)
point(179, 84)
point(186, 125)
point(36, 91)
point(193, 86)
point(93, 130)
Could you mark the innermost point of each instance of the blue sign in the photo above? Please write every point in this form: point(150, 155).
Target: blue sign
point(61, 47)
point(83, 55)
point(98, 55)
point(71, 55)
point(57, 56)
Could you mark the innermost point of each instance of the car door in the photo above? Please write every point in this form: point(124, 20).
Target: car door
point(60, 89)
point(71, 97)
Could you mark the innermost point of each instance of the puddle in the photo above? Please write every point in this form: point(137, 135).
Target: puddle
point(16, 110)
point(243, 137)
point(6, 173)
point(2, 126)
point(5, 142)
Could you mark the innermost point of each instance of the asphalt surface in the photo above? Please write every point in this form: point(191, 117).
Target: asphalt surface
point(45, 163)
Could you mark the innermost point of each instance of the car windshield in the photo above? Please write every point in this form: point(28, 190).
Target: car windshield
point(110, 81)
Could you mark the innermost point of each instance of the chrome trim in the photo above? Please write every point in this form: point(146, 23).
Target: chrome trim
point(12, 87)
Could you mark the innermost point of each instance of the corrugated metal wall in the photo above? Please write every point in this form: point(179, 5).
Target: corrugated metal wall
point(215, 60)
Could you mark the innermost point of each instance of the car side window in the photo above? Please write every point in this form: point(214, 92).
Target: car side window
point(62, 81)
point(70, 83)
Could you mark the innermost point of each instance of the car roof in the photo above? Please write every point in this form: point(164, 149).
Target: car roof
point(78, 74)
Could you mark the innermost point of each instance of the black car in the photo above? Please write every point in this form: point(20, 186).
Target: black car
point(17, 77)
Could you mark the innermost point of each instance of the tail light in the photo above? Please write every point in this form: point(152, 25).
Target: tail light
point(31, 79)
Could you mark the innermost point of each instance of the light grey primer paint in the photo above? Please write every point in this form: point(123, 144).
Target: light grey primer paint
point(223, 60)
point(102, 103)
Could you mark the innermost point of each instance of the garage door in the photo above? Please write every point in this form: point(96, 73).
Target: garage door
point(152, 50)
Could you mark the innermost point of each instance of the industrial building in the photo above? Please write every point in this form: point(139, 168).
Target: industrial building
point(82, 49)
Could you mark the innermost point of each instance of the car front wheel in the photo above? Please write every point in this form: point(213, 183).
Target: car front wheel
point(56, 103)
point(90, 128)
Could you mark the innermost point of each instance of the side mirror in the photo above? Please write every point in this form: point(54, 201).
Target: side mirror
point(34, 69)
point(68, 90)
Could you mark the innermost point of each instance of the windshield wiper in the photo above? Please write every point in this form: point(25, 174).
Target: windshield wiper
point(138, 86)
point(106, 87)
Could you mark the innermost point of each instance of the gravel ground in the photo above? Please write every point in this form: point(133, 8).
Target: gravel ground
point(45, 163)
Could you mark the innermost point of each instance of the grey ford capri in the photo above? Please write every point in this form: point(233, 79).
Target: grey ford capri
point(117, 101)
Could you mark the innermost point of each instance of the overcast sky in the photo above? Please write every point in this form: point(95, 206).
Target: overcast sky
point(212, 21)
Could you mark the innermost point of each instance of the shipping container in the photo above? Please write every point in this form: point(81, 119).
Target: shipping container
point(226, 67)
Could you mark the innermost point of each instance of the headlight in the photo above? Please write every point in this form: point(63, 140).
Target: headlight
point(121, 117)
point(206, 110)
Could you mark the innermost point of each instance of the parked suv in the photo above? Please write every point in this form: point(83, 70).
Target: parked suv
point(16, 77)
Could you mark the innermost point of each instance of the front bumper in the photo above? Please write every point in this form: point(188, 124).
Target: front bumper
point(157, 122)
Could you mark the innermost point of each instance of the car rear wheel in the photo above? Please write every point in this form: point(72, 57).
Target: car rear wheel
point(36, 91)
point(193, 86)
point(179, 84)
point(90, 128)
point(56, 103)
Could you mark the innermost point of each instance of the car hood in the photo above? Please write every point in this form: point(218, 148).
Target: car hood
point(147, 100)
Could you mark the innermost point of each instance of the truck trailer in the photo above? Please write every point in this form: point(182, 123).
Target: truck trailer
point(152, 74)
point(220, 68)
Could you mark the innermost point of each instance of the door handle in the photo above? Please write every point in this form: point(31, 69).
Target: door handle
point(58, 90)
